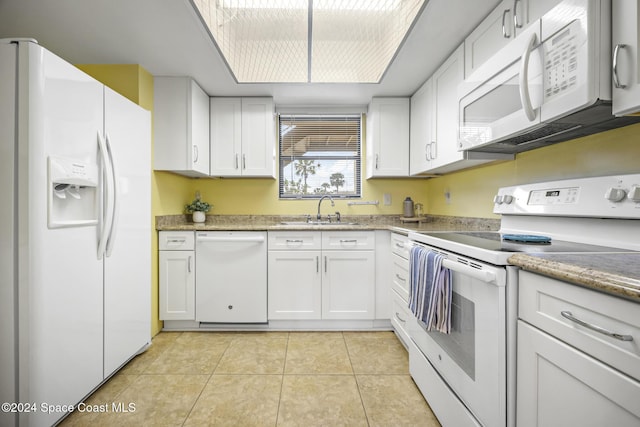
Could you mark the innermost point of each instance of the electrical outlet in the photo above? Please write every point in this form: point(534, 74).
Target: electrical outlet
point(386, 199)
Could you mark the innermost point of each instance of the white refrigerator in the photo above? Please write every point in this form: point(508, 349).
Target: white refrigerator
point(75, 221)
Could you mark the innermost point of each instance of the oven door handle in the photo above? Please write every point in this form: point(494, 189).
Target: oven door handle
point(483, 275)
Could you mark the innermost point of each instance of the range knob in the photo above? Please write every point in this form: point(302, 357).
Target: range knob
point(634, 193)
point(507, 198)
point(615, 194)
point(497, 199)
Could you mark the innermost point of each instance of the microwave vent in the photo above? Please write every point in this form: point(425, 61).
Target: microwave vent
point(594, 119)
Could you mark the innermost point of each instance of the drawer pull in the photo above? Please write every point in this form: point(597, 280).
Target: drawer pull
point(399, 277)
point(400, 318)
point(400, 245)
point(295, 241)
point(348, 241)
point(568, 315)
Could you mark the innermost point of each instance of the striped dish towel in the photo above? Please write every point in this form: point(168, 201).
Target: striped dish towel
point(430, 289)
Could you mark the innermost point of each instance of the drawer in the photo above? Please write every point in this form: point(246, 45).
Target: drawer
point(542, 300)
point(400, 279)
point(176, 241)
point(295, 240)
point(400, 245)
point(400, 316)
point(346, 240)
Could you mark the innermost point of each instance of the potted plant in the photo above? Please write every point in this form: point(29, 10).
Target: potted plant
point(198, 208)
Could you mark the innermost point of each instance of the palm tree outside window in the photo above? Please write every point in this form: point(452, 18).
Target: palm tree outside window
point(319, 155)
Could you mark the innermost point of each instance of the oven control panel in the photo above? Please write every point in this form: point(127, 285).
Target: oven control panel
point(615, 196)
point(554, 196)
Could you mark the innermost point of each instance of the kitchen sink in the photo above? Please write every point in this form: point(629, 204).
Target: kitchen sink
point(312, 223)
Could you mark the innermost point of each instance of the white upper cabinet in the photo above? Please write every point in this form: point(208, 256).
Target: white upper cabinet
point(421, 136)
point(388, 138)
point(181, 126)
point(243, 138)
point(226, 136)
point(626, 63)
point(501, 26)
point(444, 148)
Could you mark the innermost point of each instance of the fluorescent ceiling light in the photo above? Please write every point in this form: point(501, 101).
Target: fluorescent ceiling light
point(308, 41)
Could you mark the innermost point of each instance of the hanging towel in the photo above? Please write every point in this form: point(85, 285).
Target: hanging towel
point(430, 289)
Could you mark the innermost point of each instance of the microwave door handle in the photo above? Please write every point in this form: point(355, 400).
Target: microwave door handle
point(525, 98)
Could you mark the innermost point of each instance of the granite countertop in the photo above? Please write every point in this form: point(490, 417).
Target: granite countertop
point(617, 274)
point(351, 222)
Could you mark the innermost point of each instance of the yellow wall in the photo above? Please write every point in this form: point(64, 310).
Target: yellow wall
point(471, 192)
point(260, 196)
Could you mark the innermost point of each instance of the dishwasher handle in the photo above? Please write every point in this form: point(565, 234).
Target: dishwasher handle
point(241, 239)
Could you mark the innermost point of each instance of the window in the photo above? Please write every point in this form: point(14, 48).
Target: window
point(319, 155)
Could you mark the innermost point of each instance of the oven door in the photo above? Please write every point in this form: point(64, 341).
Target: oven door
point(503, 97)
point(472, 358)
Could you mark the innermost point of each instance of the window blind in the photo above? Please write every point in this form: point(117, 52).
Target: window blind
point(319, 154)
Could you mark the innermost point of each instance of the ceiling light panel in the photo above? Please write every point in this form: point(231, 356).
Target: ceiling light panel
point(291, 41)
point(355, 40)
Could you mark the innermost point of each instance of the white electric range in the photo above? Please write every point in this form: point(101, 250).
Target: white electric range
point(468, 376)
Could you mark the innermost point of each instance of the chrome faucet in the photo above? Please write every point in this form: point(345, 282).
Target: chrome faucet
point(319, 217)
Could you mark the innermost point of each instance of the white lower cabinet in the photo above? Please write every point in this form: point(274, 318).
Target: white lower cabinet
point(570, 372)
point(348, 285)
point(307, 282)
point(400, 315)
point(561, 386)
point(177, 275)
point(295, 285)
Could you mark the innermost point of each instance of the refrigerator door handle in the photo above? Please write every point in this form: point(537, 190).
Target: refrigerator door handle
point(107, 197)
point(115, 209)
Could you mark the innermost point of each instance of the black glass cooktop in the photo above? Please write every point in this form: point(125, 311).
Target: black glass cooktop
point(493, 241)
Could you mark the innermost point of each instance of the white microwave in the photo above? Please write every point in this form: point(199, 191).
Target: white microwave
point(550, 84)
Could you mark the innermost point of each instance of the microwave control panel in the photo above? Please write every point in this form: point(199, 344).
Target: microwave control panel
point(561, 57)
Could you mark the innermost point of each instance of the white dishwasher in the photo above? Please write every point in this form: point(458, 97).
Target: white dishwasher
point(231, 276)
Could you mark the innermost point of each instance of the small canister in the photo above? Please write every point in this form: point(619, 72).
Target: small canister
point(408, 208)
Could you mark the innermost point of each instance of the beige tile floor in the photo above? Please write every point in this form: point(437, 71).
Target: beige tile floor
point(262, 379)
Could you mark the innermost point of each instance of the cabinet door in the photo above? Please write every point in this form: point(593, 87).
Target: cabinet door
point(294, 285)
point(181, 126)
point(198, 132)
point(388, 137)
point(558, 385)
point(493, 33)
point(348, 285)
point(226, 132)
point(445, 111)
point(177, 285)
point(626, 38)
point(258, 138)
point(421, 129)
